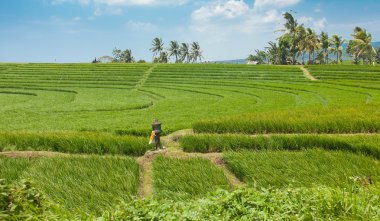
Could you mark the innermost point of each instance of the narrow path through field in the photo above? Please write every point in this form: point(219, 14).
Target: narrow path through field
point(172, 149)
point(307, 74)
point(145, 77)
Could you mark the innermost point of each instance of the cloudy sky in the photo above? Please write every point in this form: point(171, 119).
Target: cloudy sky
point(79, 30)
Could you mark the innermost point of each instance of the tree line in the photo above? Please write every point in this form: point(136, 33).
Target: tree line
point(181, 53)
point(297, 42)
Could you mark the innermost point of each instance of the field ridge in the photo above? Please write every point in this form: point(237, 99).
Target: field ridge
point(307, 74)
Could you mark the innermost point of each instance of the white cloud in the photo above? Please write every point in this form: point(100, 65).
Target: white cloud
point(141, 26)
point(275, 3)
point(82, 2)
point(230, 9)
point(141, 2)
point(123, 2)
point(233, 16)
point(318, 25)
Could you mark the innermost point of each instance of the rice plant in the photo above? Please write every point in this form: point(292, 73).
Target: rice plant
point(186, 178)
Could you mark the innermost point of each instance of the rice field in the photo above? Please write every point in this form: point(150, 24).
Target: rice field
point(83, 184)
point(306, 168)
point(186, 178)
point(124, 99)
point(273, 134)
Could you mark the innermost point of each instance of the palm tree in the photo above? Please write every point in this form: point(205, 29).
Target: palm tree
point(196, 52)
point(361, 46)
point(312, 44)
point(273, 52)
point(301, 43)
point(127, 56)
point(325, 43)
point(158, 46)
point(337, 47)
point(291, 28)
point(291, 23)
point(164, 58)
point(174, 50)
point(185, 52)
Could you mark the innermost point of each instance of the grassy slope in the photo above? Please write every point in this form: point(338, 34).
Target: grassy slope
point(102, 97)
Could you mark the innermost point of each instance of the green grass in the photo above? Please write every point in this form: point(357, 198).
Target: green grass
point(12, 168)
point(362, 119)
point(186, 178)
point(306, 168)
point(319, 203)
point(70, 142)
point(110, 97)
point(206, 143)
point(88, 184)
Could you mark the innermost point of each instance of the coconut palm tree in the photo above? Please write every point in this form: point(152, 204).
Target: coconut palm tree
point(301, 43)
point(196, 52)
point(312, 44)
point(174, 50)
point(291, 29)
point(274, 53)
point(325, 43)
point(361, 45)
point(127, 56)
point(158, 46)
point(337, 47)
point(185, 52)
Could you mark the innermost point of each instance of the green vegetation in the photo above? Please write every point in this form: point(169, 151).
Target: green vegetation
point(125, 98)
point(206, 143)
point(84, 184)
point(88, 108)
point(357, 203)
point(70, 142)
point(302, 168)
point(263, 204)
point(321, 120)
point(298, 41)
point(11, 169)
point(186, 178)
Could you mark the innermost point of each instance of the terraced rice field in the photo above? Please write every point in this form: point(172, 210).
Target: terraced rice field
point(125, 98)
point(235, 126)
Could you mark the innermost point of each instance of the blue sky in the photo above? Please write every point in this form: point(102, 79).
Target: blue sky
point(79, 30)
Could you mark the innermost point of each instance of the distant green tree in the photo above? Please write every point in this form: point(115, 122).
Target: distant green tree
point(117, 55)
point(185, 53)
point(361, 46)
point(174, 50)
point(95, 61)
point(260, 57)
point(274, 53)
point(301, 43)
point(377, 57)
point(291, 25)
point(337, 47)
point(163, 58)
point(325, 45)
point(122, 56)
point(157, 46)
point(141, 61)
point(196, 52)
point(312, 44)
